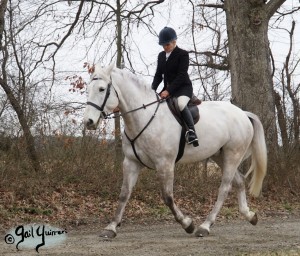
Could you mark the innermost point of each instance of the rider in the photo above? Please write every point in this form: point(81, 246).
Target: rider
point(172, 67)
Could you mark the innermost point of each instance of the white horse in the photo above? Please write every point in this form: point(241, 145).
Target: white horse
point(226, 134)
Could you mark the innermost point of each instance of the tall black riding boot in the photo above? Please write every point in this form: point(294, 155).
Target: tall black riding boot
point(190, 136)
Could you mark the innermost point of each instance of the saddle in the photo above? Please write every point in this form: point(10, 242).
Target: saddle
point(192, 105)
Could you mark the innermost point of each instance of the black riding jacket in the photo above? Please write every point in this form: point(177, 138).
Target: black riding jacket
point(174, 72)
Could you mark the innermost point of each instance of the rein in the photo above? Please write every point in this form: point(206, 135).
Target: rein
point(144, 106)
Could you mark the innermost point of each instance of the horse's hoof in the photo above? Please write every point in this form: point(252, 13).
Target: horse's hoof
point(254, 220)
point(108, 234)
point(201, 232)
point(190, 229)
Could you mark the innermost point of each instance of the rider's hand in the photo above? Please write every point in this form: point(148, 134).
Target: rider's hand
point(164, 94)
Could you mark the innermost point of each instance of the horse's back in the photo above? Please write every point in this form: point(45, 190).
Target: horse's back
point(227, 117)
point(223, 106)
point(225, 114)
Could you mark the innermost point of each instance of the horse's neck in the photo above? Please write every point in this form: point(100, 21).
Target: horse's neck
point(133, 92)
point(134, 95)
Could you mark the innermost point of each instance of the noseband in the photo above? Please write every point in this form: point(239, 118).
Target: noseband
point(105, 99)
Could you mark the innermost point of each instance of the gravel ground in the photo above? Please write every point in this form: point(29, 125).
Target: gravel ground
point(271, 236)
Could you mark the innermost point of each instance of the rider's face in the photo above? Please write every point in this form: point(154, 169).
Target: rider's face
point(169, 46)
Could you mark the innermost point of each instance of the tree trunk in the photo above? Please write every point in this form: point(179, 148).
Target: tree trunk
point(3, 5)
point(249, 60)
point(282, 122)
point(118, 140)
point(30, 147)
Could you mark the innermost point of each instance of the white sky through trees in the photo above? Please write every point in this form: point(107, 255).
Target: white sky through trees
point(142, 45)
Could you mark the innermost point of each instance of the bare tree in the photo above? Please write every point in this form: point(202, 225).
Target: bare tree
point(248, 55)
point(286, 94)
point(119, 18)
point(25, 50)
point(250, 65)
point(211, 60)
point(7, 35)
point(46, 37)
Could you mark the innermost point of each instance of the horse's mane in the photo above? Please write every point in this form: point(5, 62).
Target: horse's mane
point(127, 75)
point(136, 79)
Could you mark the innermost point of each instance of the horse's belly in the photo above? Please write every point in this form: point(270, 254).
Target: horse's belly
point(200, 153)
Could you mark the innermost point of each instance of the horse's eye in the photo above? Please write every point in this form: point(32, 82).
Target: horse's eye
point(101, 90)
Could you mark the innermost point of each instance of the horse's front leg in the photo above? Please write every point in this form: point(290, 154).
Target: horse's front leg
point(167, 180)
point(131, 171)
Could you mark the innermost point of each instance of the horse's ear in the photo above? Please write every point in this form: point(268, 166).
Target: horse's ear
point(111, 67)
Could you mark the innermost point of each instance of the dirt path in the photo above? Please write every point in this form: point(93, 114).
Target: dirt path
point(232, 237)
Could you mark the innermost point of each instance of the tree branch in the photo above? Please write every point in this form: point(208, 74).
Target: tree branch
point(152, 3)
point(72, 26)
point(219, 6)
point(272, 6)
point(3, 6)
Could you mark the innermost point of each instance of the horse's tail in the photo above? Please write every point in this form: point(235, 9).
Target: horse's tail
point(258, 156)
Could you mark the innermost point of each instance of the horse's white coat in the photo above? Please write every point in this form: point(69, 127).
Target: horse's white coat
point(225, 133)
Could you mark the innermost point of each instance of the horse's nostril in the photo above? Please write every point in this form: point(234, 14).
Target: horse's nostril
point(89, 122)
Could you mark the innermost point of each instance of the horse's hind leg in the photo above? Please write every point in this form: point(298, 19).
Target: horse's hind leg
point(239, 182)
point(167, 180)
point(131, 170)
point(243, 206)
point(231, 161)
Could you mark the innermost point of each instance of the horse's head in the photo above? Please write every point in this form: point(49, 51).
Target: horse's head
point(102, 98)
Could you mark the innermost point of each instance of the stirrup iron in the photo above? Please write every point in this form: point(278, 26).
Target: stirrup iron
point(193, 140)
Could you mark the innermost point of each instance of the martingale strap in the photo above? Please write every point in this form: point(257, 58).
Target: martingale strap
point(140, 133)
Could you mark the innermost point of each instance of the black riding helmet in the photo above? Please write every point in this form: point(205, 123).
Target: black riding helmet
point(166, 35)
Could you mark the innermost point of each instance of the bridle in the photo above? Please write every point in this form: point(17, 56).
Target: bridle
point(105, 99)
point(114, 115)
